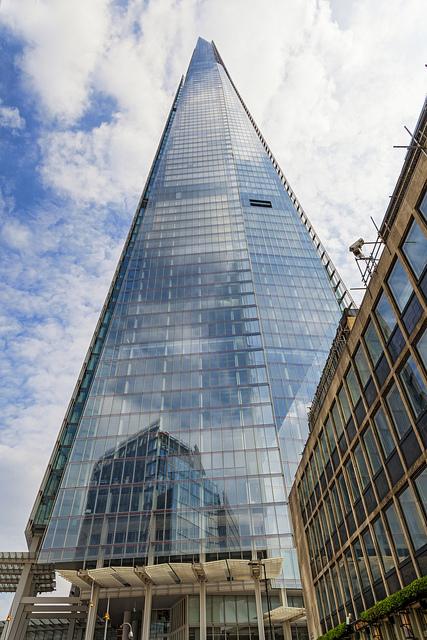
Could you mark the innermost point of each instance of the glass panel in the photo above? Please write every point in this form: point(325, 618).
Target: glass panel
point(414, 385)
point(352, 478)
point(361, 563)
point(345, 407)
point(414, 520)
point(371, 553)
point(415, 248)
point(423, 207)
point(399, 284)
point(373, 343)
point(361, 465)
point(422, 348)
point(337, 416)
point(329, 429)
point(421, 484)
point(398, 411)
point(385, 316)
point(396, 531)
point(383, 544)
point(384, 432)
point(372, 450)
point(362, 365)
point(353, 385)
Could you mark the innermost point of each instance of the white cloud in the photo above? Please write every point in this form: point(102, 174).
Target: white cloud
point(10, 118)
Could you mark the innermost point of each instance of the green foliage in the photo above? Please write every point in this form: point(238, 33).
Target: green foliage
point(334, 634)
point(413, 592)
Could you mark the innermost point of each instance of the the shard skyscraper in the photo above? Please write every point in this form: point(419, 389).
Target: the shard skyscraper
point(170, 476)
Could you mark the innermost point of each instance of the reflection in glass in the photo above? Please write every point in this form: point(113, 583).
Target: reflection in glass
point(385, 316)
point(383, 544)
point(396, 532)
point(414, 386)
point(399, 284)
point(414, 520)
point(398, 411)
point(415, 248)
point(373, 343)
point(384, 432)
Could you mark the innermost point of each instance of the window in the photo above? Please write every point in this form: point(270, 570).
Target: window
point(260, 203)
point(360, 561)
point(422, 348)
point(415, 249)
point(361, 465)
point(385, 316)
point(396, 532)
point(345, 407)
point(371, 554)
point(414, 520)
point(423, 206)
point(399, 284)
point(337, 417)
point(384, 432)
point(421, 484)
point(383, 544)
point(372, 450)
point(398, 411)
point(414, 386)
point(373, 343)
point(353, 482)
point(330, 433)
point(353, 385)
point(362, 365)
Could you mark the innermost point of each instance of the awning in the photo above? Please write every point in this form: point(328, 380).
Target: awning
point(174, 573)
point(285, 614)
point(11, 566)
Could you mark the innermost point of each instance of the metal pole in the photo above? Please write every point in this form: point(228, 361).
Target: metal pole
point(107, 617)
point(272, 636)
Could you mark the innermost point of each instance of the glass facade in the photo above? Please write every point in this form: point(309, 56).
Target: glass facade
point(194, 415)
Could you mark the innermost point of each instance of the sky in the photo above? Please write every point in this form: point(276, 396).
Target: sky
point(85, 88)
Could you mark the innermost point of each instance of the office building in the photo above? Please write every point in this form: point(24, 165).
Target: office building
point(359, 499)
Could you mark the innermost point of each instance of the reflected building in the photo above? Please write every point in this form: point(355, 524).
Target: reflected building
point(162, 483)
point(185, 428)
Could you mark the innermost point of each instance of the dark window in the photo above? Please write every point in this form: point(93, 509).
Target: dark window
point(353, 385)
point(382, 370)
point(412, 314)
point(260, 203)
point(410, 448)
point(396, 344)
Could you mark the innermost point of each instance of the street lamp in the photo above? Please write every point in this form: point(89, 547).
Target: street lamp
point(130, 634)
